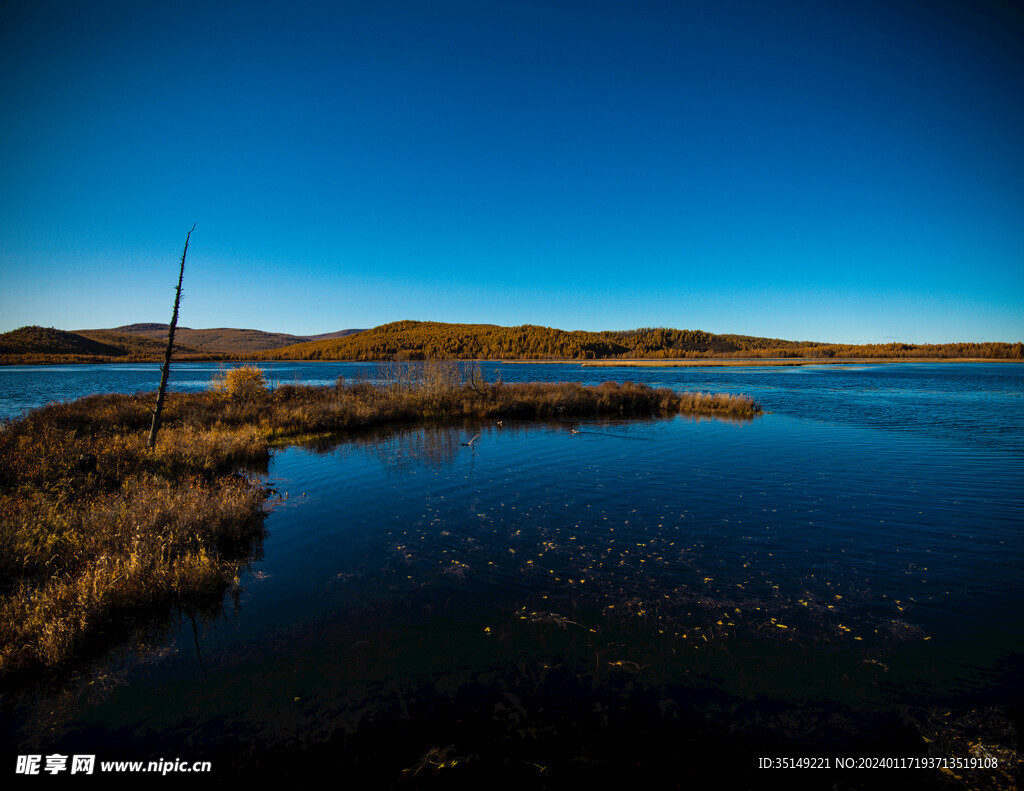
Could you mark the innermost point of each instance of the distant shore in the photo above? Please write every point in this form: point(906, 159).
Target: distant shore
point(712, 362)
point(700, 362)
point(415, 341)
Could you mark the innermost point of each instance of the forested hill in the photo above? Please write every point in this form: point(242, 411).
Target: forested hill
point(409, 340)
point(222, 340)
point(417, 340)
point(139, 343)
point(50, 342)
point(414, 340)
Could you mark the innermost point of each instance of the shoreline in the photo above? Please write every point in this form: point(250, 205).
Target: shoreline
point(700, 362)
point(718, 362)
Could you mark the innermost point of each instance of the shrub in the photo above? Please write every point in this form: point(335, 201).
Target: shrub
point(245, 383)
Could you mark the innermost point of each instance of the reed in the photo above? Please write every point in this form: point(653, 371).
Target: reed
point(87, 551)
point(151, 546)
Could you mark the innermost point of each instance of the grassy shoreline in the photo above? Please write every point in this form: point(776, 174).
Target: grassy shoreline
point(100, 533)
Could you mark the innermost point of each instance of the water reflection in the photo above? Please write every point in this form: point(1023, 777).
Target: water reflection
point(431, 446)
point(400, 448)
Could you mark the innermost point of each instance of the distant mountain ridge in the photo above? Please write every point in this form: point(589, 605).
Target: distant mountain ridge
point(150, 327)
point(418, 340)
point(222, 340)
point(415, 340)
point(84, 343)
point(142, 342)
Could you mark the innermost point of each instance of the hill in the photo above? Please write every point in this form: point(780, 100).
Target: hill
point(416, 340)
point(47, 340)
point(81, 346)
point(328, 335)
point(223, 340)
point(413, 340)
point(135, 344)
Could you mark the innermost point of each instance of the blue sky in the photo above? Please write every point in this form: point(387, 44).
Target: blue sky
point(840, 171)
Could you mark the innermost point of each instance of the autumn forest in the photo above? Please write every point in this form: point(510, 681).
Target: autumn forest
point(419, 340)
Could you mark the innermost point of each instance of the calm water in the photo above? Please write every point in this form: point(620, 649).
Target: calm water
point(834, 577)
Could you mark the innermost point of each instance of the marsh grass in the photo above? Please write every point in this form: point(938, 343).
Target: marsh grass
point(85, 548)
point(446, 390)
point(152, 545)
point(86, 552)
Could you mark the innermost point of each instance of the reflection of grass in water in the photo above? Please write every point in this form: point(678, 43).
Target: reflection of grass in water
point(99, 675)
point(415, 444)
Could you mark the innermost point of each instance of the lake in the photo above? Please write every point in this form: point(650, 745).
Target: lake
point(584, 600)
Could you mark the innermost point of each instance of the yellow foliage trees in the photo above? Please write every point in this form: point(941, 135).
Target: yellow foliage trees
point(244, 383)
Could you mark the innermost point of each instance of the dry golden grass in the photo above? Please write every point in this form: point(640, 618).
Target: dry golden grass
point(85, 551)
point(150, 546)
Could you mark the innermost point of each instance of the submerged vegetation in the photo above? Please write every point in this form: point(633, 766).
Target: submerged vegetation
point(101, 532)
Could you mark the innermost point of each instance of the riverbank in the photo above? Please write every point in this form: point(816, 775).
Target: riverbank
point(705, 362)
point(104, 534)
point(718, 362)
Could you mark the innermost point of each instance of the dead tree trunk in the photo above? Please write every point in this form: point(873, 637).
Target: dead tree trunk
point(170, 348)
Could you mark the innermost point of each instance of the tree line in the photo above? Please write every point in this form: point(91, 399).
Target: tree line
point(418, 340)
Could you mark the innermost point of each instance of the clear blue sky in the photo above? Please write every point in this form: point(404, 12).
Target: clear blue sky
point(838, 171)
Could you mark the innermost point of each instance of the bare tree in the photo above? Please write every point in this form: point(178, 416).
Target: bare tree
point(170, 348)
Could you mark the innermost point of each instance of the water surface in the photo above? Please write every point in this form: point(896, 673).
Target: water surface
point(601, 595)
